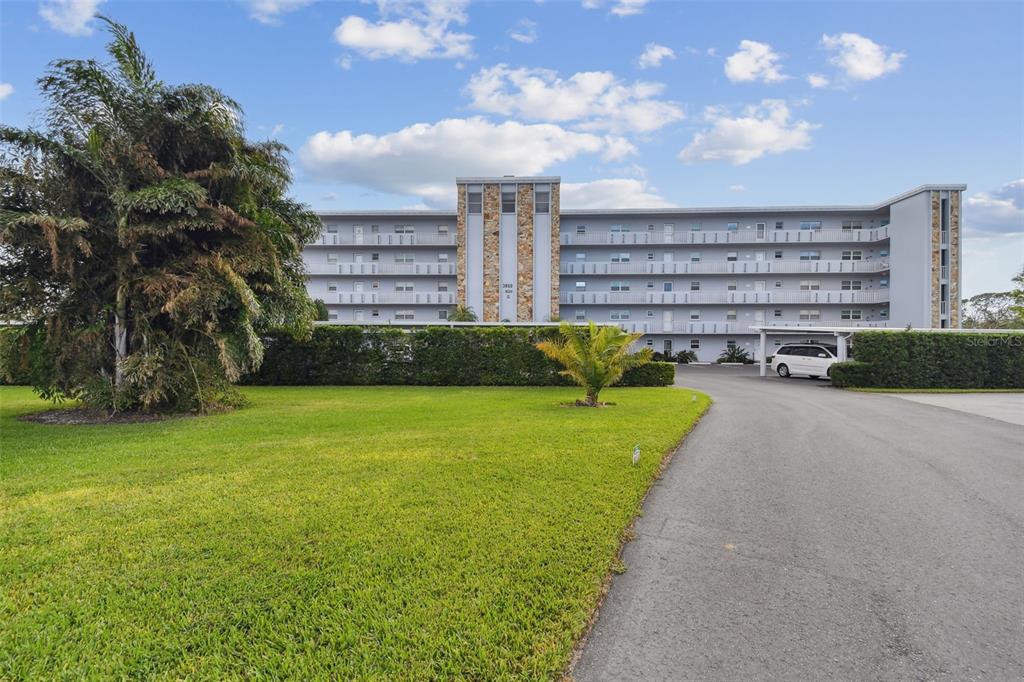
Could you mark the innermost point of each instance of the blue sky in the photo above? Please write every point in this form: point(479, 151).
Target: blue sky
point(633, 103)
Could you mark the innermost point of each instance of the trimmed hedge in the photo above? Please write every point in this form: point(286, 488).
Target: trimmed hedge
point(427, 356)
point(914, 359)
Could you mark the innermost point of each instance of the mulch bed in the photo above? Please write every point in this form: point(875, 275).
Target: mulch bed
point(81, 415)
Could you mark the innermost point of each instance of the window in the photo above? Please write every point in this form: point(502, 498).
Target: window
point(442, 314)
point(778, 284)
point(810, 255)
point(542, 199)
point(849, 314)
point(404, 229)
point(617, 228)
point(650, 313)
point(581, 229)
point(883, 282)
point(442, 257)
point(732, 227)
point(375, 285)
point(810, 314)
point(332, 315)
point(694, 344)
point(618, 315)
point(508, 198)
point(374, 229)
point(403, 258)
point(650, 343)
point(851, 285)
point(581, 285)
point(666, 346)
point(374, 313)
point(853, 255)
point(884, 313)
point(777, 313)
point(650, 255)
point(695, 257)
point(883, 222)
point(810, 224)
point(442, 287)
point(375, 257)
point(403, 286)
point(730, 285)
point(666, 286)
point(777, 342)
point(695, 285)
point(650, 227)
point(731, 256)
point(404, 315)
point(332, 258)
point(620, 285)
point(810, 284)
point(581, 315)
point(475, 200)
point(730, 314)
point(332, 286)
point(730, 343)
point(442, 230)
point(884, 253)
point(778, 224)
point(694, 314)
point(853, 224)
point(694, 227)
point(650, 285)
point(581, 256)
point(778, 254)
point(620, 257)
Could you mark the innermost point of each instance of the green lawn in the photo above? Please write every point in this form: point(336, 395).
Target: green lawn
point(372, 533)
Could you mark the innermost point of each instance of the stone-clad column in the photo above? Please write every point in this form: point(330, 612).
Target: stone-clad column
point(954, 259)
point(936, 256)
point(460, 248)
point(555, 246)
point(492, 247)
point(524, 253)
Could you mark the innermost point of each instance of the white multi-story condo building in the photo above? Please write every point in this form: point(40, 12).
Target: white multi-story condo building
point(688, 278)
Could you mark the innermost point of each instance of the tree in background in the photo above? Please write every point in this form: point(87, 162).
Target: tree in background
point(461, 313)
point(989, 311)
point(594, 357)
point(322, 314)
point(144, 242)
point(1018, 298)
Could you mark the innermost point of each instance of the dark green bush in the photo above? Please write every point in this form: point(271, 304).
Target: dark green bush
point(428, 356)
point(913, 359)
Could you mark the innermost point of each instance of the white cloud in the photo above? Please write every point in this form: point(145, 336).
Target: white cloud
point(737, 188)
point(409, 31)
point(70, 16)
point(611, 193)
point(817, 80)
point(861, 58)
point(270, 11)
point(763, 128)
point(754, 62)
point(621, 8)
point(525, 31)
point(6, 90)
point(277, 130)
point(1001, 211)
point(422, 159)
point(592, 100)
point(653, 55)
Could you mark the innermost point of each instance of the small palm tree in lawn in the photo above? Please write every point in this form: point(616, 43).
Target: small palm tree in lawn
point(594, 357)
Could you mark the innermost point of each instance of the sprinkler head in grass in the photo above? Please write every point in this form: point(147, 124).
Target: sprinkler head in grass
point(636, 454)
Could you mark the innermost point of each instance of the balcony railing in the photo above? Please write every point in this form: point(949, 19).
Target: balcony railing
point(369, 269)
point(726, 268)
point(721, 297)
point(396, 297)
point(944, 272)
point(718, 327)
point(729, 237)
point(387, 239)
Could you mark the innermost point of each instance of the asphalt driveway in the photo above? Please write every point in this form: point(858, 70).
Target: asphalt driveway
point(803, 532)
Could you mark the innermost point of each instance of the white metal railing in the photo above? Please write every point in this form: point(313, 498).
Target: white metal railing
point(397, 297)
point(944, 272)
point(944, 237)
point(720, 327)
point(725, 268)
point(738, 297)
point(368, 269)
point(944, 307)
point(385, 239)
point(728, 237)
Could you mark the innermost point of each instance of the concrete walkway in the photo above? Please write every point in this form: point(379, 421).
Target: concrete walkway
point(1007, 407)
point(808, 533)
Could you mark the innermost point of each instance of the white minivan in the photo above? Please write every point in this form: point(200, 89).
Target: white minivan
point(810, 359)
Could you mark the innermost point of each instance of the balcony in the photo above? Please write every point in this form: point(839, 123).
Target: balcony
point(745, 267)
point(393, 297)
point(370, 269)
point(387, 239)
point(729, 237)
point(722, 297)
point(694, 328)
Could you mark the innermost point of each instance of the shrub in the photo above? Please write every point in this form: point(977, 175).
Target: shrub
point(685, 357)
point(852, 374)
point(428, 356)
point(734, 354)
point(912, 359)
point(651, 374)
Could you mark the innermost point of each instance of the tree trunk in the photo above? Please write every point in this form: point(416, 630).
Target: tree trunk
point(120, 335)
point(592, 397)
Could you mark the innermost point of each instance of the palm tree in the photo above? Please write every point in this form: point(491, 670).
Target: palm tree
point(145, 243)
point(594, 357)
point(733, 354)
point(462, 313)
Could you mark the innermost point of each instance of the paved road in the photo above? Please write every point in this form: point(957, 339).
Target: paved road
point(808, 533)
